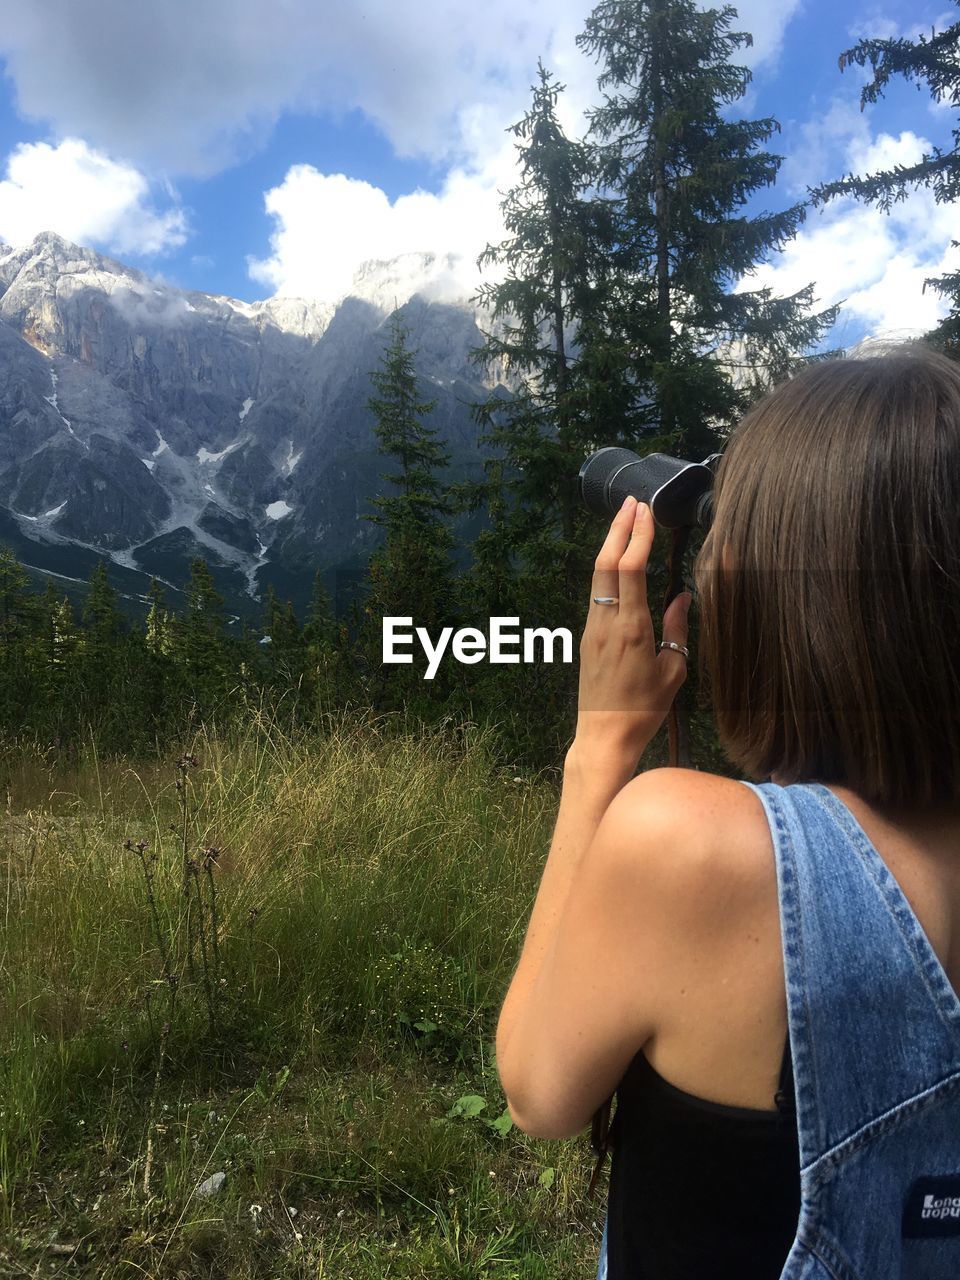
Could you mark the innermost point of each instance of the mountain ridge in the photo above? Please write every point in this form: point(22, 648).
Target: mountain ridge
point(143, 422)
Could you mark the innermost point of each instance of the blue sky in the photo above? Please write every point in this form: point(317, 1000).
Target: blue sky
point(253, 147)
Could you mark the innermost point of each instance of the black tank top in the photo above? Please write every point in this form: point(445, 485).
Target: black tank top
point(700, 1191)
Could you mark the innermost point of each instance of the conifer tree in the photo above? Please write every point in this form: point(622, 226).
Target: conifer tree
point(19, 623)
point(101, 675)
point(410, 574)
point(202, 643)
point(320, 629)
point(280, 623)
point(160, 642)
point(269, 617)
point(283, 656)
point(159, 634)
point(101, 616)
point(58, 646)
point(64, 643)
point(490, 585)
point(49, 597)
point(17, 606)
point(551, 293)
point(678, 173)
point(325, 647)
point(935, 62)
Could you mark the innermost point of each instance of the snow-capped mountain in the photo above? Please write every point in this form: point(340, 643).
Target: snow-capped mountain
point(150, 425)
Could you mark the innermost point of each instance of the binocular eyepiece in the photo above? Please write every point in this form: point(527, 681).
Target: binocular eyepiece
point(677, 492)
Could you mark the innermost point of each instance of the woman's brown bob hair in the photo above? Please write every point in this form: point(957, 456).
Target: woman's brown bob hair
point(829, 581)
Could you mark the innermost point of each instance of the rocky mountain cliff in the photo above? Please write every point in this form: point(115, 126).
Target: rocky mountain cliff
point(149, 425)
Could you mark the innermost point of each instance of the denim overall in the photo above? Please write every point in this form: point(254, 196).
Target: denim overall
point(875, 1041)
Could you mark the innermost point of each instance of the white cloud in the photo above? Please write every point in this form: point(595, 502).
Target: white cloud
point(877, 26)
point(327, 226)
point(873, 27)
point(877, 262)
point(189, 86)
point(766, 20)
point(83, 196)
point(823, 146)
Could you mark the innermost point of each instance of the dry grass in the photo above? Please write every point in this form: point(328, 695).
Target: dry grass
point(371, 890)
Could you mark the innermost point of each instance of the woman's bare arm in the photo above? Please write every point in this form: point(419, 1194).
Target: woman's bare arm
point(588, 788)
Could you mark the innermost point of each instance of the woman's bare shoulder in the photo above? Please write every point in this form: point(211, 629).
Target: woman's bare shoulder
point(705, 888)
point(715, 823)
point(714, 795)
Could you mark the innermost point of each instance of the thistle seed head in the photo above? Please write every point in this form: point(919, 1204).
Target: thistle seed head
point(211, 854)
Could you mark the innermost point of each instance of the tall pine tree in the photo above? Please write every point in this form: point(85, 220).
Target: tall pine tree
point(546, 337)
point(202, 647)
point(101, 616)
point(410, 575)
point(160, 624)
point(19, 623)
point(550, 292)
point(679, 174)
point(326, 649)
point(103, 673)
point(58, 649)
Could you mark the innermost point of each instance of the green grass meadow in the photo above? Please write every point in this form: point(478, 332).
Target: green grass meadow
point(278, 957)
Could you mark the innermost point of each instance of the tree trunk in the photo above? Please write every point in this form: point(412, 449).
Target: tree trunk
point(663, 349)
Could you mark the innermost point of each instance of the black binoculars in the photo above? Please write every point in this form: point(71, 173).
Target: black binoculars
point(677, 492)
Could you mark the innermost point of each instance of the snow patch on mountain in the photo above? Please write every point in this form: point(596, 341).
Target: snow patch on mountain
point(204, 456)
point(291, 460)
point(52, 400)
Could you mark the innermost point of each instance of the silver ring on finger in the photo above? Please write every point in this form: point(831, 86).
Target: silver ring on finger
point(672, 644)
point(606, 599)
